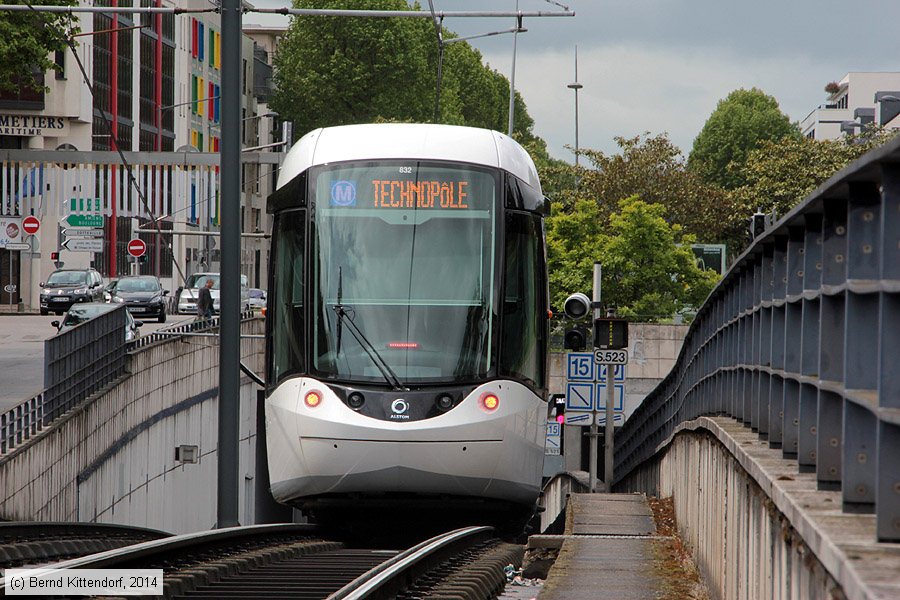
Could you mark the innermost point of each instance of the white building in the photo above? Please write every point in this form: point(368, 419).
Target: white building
point(167, 74)
point(861, 98)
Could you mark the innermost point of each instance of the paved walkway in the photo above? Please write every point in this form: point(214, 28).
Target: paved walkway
point(608, 553)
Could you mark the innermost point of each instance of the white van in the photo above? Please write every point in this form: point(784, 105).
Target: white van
point(187, 300)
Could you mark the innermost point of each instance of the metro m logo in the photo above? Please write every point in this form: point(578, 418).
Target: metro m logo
point(343, 193)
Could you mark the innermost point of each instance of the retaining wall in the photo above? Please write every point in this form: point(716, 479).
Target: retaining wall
point(757, 528)
point(112, 460)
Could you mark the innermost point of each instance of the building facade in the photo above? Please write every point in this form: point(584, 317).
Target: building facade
point(154, 86)
point(860, 98)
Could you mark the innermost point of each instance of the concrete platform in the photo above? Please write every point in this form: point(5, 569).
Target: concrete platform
point(609, 552)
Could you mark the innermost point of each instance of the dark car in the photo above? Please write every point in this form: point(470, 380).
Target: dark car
point(142, 295)
point(79, 313)
point(66, 287)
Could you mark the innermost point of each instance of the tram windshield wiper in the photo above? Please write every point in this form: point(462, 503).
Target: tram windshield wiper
point(342, 310)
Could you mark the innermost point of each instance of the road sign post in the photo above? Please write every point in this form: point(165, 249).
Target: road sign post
point(598, 272)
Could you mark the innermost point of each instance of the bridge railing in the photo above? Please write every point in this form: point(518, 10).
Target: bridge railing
point(801, 342)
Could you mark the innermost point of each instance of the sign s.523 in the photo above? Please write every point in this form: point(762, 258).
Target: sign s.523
point(611, 357)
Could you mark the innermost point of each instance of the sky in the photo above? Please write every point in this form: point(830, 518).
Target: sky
point(663, 65)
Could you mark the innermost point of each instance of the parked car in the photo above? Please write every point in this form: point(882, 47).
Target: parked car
point(66, 287)
point(79, 313)
point(187, 298)
point(257, 299)
point(142, 295)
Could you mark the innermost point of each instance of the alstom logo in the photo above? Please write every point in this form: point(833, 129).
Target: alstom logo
point(343, 193)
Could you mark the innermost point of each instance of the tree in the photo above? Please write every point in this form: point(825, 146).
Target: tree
point(649, 270)
point(780, 174)
point(27, 39)
point(740, 122)
point(653, 169)
point(338, 70)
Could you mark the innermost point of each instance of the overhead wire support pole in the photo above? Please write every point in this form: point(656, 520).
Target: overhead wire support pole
point(230, 319)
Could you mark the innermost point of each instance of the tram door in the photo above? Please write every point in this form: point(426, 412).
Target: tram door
point(9, 277)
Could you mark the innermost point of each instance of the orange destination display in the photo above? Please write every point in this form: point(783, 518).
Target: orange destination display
point(395, 187)
point(420, 194)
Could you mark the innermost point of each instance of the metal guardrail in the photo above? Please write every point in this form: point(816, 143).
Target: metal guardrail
point(78, 363)
point(800, 341)
point(194, 326)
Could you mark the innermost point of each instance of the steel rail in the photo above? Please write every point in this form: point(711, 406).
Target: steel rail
point(384, 580)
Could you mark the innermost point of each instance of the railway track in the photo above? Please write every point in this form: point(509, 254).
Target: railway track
point(275, 562)
point(34, 543)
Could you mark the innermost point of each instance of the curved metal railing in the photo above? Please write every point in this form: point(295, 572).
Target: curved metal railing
point(800, 341)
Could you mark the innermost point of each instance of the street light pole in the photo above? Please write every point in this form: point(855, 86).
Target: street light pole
point(512, 75)
point(576, 86)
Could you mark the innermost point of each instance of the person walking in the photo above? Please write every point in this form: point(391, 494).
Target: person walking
point(205, 302)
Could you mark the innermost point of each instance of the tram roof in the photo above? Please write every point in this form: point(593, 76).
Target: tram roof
point(409, 140)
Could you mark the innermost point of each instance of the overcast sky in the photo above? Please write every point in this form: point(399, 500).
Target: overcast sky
point(663, 65)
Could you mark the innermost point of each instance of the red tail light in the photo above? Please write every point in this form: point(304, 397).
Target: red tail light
point(312, 399)
point(489, 402)
point(403, 345)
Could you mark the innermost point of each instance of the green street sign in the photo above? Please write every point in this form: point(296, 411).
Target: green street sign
point(83, 221)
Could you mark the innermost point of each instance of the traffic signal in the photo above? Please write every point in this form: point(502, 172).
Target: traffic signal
point(54, 256)
point(610, 333)
point(559, 408)
point(575, 339)
point(577, 307)
point(757, 225)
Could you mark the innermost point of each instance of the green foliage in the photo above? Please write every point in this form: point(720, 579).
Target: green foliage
point(649, 270)
point(738, 125)
point(780, 174)
point(653, 169)
point(27, 40)
point(338, 71)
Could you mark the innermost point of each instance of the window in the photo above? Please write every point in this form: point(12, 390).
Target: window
point(524, 306)
point(286, 349)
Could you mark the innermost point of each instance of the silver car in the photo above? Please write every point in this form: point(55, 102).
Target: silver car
point(187, 299)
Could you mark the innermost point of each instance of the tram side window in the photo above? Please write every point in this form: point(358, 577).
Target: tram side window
point(523, 339)
point(287, 331)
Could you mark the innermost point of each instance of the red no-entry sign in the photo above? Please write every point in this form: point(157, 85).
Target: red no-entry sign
point(31, 224)
point(137, 248)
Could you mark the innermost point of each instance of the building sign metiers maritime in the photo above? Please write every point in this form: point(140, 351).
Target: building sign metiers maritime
point(29, 125)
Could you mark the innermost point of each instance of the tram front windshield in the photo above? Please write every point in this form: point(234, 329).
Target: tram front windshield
point(404, 251)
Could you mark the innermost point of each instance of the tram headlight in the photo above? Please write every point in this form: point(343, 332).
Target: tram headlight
point(356, 400)
point(312, 399)
point(489, 402)
point(444, 402)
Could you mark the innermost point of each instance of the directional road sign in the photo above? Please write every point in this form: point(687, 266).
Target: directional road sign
point(579, 366)
point(82, 232)
point(83, 221)
point(83, 245)
point(18, 246)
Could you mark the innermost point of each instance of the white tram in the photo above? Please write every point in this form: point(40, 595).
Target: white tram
point(407, 322)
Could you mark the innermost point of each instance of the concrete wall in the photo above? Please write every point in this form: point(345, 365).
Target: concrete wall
point(112, 460)
point(758, 529)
